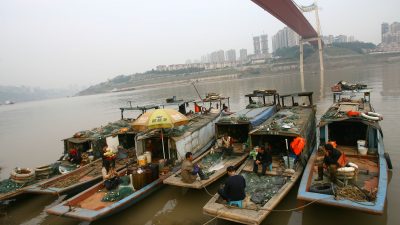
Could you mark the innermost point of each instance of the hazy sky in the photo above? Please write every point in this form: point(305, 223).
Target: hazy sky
point(56, 43)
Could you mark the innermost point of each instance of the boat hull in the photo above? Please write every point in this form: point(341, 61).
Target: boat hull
point(372, 208)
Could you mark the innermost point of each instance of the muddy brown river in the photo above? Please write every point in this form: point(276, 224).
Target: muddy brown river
point(31, 134)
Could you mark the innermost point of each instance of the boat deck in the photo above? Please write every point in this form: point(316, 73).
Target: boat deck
point(219, 169)
point(368, 169)
point(69, 181)
point(251, 213)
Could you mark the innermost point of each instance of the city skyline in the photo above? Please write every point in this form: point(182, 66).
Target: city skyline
point(61, 43)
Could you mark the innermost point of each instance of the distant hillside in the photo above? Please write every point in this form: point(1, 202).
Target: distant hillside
point(149, 78)
point(24, 93)
point(340, 54)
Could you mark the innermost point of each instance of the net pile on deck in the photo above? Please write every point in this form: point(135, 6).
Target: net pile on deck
point(212, 162)
point(118, 127)
point(262, 188)
point(285, 120)
point(8, 185)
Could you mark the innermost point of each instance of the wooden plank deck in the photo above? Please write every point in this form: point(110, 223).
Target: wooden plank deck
point(88, 173)
point(249, 214)
point(176, 180)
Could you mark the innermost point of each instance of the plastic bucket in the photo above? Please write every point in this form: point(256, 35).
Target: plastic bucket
point(360, 143)
point(362, 150)
point(142, 160)
point(148, 156)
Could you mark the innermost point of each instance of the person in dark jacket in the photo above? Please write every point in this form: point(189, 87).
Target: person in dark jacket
point(331, 158)
point(263, 158)
point(234, 188)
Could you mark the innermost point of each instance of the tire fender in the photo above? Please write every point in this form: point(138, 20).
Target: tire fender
point(366, 116)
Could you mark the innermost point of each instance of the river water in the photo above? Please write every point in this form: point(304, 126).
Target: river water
point(31, 134)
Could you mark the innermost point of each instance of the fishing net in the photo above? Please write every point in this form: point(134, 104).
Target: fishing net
point(177, 131)
point(8, 185)
point(262, 188)
point(119, 193)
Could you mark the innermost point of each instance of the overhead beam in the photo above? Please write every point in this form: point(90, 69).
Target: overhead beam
point(288, 13)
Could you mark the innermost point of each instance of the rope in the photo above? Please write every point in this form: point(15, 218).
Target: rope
point(268, 209)
point(204, 187)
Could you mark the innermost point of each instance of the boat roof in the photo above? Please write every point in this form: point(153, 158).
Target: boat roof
point(254, 116)
point(194, 124)
point(262, 93)
point(338, 112)
point(112, 128)
point(288, 121)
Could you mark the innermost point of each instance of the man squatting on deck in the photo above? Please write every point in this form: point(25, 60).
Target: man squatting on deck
point(264, 159)
point(234, 187)
point(331, 158)
point(190, 171)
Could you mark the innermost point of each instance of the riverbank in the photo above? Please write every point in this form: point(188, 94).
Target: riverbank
point(249, 71)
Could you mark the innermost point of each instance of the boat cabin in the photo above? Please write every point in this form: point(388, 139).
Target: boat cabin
point(195, 136)
point(239, 124)
point(347, 121)
point(294, 120)
point(117, 135)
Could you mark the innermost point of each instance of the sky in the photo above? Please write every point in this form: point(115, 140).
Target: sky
point(59, 43)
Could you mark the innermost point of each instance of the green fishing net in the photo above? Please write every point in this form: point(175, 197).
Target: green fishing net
point(8, 185)
point(262, 188)
point(119, 193)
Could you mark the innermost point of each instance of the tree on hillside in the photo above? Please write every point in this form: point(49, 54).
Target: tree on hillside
point(293, 52)
point(359, 47)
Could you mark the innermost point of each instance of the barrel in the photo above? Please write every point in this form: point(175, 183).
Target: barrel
point(148, 175)
point(138, 180)
point(142, 160)
point(148, 156)
point(154, 170)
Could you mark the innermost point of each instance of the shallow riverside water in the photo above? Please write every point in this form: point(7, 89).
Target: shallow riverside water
point(31, 134)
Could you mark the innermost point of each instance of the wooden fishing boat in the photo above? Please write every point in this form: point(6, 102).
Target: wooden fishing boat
point(349, 123)
point(88, 205)
point(237, 126)
point(74, 181)
point(118, 136)
point(197, 138)
point(89, 143)
point(263, 193)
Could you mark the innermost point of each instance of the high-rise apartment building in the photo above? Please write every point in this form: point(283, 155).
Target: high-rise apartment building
point(284, 38)
point(257, 45)
point(391, 33)
point(231, 55)
point(384, 30)
point(264, 44)
point(243, 55)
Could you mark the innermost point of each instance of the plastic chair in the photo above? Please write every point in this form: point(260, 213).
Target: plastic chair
point(236, 203)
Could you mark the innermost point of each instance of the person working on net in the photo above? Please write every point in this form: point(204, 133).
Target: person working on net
point(190, 171)
point(234, 187)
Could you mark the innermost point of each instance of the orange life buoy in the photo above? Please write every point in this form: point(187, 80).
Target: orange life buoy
point(297, 145)
point(353, 113)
